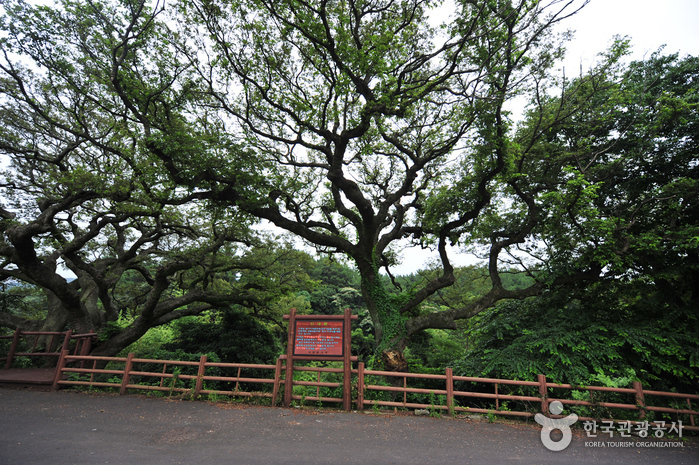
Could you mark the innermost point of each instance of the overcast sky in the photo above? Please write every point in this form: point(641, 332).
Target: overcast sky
point(649, 23)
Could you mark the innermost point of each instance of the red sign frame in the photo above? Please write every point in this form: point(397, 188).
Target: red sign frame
point(321, 337)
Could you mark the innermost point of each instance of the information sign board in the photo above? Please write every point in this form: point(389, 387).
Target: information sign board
point(319, 338)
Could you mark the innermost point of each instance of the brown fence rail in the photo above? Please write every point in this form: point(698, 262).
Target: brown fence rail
point(72, 371)
point(318, 384)
point(82, 370)
point(536, 403)
point(42, 344)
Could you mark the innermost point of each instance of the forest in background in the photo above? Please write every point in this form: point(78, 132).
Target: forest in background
point(146, 144)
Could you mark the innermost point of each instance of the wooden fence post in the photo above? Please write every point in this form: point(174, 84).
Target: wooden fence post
point(640, 400)
point(360, 386)
point(689, 407)
point(347, 362)
point(450, 390)
point(277, 380)
point(200, 376)
point(543, 392)
point(86, 347)
point(83, 344)
point(66, 340)
point(13, 349)
point(87, 343)
point(127, 370)
point(289, 375)
point(497, 398)
point(59, 369)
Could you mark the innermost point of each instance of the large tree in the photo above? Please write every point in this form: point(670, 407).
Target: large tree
point(81, 91)
point(373, 126)
point(622, 179)
point(627, 172)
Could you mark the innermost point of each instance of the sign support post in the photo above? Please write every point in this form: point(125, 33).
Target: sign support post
point(347, 361)
point(289, 376)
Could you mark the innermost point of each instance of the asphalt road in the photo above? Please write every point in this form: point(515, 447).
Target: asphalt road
point(77, 428)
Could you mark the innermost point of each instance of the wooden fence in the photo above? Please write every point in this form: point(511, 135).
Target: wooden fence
point(82, 370)
point(41, 344)
point(72, 371)
point(546, 393)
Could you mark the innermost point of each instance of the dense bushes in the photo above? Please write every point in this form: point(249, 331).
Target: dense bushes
point(235, 336)
point(586, 336)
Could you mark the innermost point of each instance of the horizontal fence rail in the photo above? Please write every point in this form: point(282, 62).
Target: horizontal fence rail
point(121, 378)
point(537, 403)
point(318, 384)
point(42, 344)
point(452, 393)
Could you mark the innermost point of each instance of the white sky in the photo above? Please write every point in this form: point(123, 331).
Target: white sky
point(649, 23)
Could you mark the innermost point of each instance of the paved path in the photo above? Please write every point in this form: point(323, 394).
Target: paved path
point(74, 428)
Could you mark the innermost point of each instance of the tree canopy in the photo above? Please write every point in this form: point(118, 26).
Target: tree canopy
point(633, 157)
point(371, 126)
point(82, 193)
